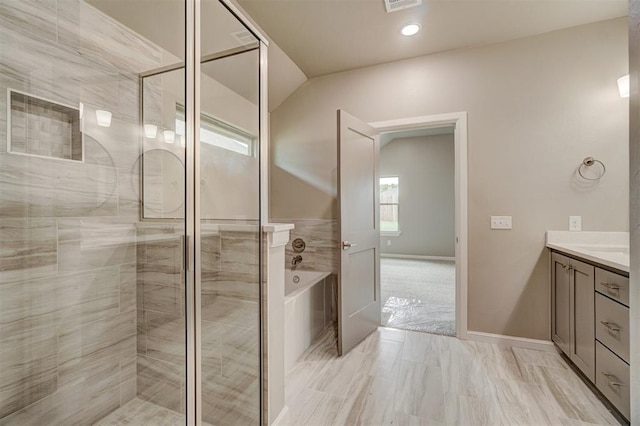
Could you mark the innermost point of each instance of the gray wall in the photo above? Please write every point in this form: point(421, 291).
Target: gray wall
point(634, 142)
point(536, 107)
point(425, 166)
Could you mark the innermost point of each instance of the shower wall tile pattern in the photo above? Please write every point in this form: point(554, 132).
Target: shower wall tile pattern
point(68, 269)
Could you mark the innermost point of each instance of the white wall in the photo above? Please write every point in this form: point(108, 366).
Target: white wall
point(536, 107)
point(425, 168)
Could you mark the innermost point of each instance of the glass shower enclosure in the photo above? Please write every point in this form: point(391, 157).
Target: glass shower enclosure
point(130, 213)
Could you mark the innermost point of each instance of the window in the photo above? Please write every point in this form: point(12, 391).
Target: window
point(389, 205)
point(217, 133)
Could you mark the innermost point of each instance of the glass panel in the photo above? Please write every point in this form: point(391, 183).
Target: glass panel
point(389, 218)
point(389, 197)
point(389, 190)
point(163, 146)
point(91, 296)
point(230, 237)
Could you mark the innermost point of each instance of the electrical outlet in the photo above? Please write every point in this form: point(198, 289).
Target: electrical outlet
point(388, 242)
point(575, 223)
point(500, 222)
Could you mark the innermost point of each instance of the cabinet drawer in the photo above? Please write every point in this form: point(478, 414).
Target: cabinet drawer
point(612, 378)
point(612, 325)
point(613, 285)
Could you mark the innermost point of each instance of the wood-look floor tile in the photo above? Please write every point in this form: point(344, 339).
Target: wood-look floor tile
point(314, 408)
point(335, 375)
point(297, 378)
point(475, 384)
point(463, 374)
point(419, 391)
point(369, 402)
point(533, 357)
point(422, 347)
point(404, 419)
point(570, 397)
point(465, 411)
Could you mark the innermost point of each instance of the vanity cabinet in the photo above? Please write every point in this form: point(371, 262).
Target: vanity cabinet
point(590, 324)
point(573, 311)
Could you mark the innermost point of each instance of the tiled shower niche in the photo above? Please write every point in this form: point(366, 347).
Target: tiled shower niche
point(44, 128)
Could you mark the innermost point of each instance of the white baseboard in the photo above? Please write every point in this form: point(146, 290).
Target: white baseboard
point(519, 342)
point(283, 417)
point(413, 256)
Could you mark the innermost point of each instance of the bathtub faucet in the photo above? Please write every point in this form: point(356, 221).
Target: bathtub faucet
point(295, 261)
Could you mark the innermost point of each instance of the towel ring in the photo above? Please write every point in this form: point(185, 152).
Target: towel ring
point(588, 162)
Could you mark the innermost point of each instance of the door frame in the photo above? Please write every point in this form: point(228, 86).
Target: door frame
point(459, 121)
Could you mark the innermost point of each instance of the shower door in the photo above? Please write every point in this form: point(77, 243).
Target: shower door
point(92, 213)
point(130, 279)
point(228, 168)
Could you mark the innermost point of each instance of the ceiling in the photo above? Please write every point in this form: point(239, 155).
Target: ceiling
point(327, 36)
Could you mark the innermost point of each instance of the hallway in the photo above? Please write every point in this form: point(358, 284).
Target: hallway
point(398, 377)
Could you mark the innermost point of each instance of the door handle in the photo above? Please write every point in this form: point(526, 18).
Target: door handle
point(346, 245)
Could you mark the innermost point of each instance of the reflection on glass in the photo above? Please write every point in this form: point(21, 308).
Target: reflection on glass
point(162, 158)
point(217, 133)
point(230, 237)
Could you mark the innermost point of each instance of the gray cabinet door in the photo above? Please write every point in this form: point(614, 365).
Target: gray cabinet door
point(561, 302)
point(583, 345)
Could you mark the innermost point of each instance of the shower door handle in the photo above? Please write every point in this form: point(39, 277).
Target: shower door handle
point(346, 245)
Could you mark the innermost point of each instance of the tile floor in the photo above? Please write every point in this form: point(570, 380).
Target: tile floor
point(399, 378)
point(138, 412)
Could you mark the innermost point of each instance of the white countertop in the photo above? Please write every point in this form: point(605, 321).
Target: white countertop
point(606, 248)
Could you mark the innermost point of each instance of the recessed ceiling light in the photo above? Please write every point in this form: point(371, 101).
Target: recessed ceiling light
point(410, 29)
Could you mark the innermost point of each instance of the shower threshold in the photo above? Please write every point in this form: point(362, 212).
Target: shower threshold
point(139, 412)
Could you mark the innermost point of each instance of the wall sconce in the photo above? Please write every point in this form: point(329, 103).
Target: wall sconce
point(103, 118)
point(150, 131)
point(623, 86)
point(169, 136)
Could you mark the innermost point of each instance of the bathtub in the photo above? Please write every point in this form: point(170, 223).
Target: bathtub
point(307, 310)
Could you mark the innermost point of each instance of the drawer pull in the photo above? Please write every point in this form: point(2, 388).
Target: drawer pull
point(610, 286)
point(611, 325)
point(613, 380)
point(569, 267)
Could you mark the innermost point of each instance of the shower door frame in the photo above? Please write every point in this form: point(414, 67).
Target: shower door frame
point(193, 261)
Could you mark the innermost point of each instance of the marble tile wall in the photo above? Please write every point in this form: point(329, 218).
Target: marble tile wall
point(68, 266)
point(230, 325)
point(67, 328)
point(321, 238)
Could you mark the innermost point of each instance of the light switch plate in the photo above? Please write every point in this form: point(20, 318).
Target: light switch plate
point(575, 223)
point(500, 222)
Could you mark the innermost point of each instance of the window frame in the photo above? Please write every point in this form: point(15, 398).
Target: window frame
point(398, 232)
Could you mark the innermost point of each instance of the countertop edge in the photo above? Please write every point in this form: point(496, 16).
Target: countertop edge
point(587, 256)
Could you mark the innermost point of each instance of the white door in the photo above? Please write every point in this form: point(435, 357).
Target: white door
point(359, 282)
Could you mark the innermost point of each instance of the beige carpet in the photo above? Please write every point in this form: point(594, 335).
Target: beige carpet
point(418, 295)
